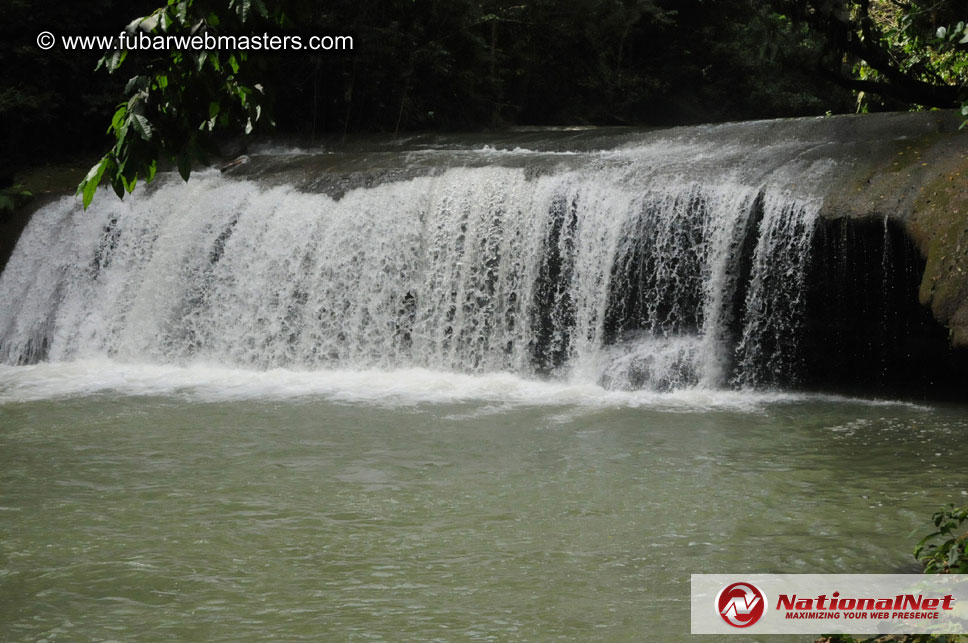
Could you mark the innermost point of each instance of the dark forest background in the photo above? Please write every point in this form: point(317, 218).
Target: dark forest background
point(469, 65)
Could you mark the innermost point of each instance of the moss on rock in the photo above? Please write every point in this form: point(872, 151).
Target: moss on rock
point(939, 224)
point(917, 175)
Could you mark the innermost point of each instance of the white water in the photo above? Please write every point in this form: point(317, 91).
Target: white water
point(625, 271)
point(391, 388)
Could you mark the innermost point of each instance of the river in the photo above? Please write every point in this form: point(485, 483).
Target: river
point(505, 391)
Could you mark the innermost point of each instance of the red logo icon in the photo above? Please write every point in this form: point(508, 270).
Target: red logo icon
point(741, 604)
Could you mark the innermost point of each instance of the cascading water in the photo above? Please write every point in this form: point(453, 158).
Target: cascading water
point(655, 265)
point(458, 387)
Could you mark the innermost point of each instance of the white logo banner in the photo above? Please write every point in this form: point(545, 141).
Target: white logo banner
point(829, 604)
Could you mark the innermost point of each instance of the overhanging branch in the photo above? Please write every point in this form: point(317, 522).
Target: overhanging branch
point(920, 93)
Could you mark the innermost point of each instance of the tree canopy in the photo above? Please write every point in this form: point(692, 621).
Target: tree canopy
point(464, 64)
point(908, 52)
point(178, 99)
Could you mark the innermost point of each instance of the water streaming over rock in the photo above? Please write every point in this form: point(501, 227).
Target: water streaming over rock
point(654, 264)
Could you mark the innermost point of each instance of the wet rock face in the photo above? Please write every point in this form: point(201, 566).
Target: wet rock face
point(866, 332)
point(916, 176)
point(940, 224)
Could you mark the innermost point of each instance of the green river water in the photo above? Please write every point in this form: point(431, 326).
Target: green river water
point(169, 517)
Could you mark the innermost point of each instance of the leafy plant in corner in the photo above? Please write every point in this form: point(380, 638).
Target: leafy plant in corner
point(179, 100)
point(948, 556)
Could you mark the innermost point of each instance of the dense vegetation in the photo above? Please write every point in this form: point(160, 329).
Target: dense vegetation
point(463, 64)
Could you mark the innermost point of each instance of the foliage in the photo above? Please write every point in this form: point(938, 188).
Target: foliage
point(13, 198)
point(459, 64)
point(455, 64)
point(178, 99)
point(51, 105)
point(926, 42)
point(949, 556)
point(906, 52)
point(469, 64)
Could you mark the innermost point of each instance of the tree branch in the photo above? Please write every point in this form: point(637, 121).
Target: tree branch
point(919, 93)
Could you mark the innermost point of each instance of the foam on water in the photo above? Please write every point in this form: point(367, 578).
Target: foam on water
point(404, 387)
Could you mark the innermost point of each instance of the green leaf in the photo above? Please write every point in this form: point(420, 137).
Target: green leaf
point(134, 24)
point(88, 185)
point(184, 163)
point(122, 140)
point(117, 183)
point(115, 59)
point(135, 83)
point(141, 126)
point(150, 24)
point(118, 120)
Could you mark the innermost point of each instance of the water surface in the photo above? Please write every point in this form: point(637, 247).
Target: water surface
point(181, 515)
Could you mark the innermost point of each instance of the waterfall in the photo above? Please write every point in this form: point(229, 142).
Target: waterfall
point(648, 266)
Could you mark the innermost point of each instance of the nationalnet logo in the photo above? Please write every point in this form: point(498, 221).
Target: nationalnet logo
point(741, 604)
point(829, 603)
point(903, 606)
